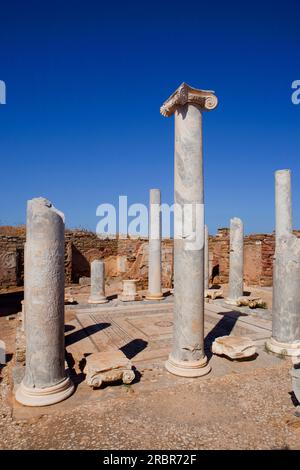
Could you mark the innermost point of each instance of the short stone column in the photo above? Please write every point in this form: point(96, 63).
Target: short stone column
point(236, 261)
point(154, 272)
point(206, 259)
point(187, 357)
point(285, 338)
point(97, 295)
point(45, 381)
point(129, 292)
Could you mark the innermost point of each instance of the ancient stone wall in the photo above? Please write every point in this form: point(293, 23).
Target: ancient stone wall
point(128, 258)
point(124, 258)
point(11, 256)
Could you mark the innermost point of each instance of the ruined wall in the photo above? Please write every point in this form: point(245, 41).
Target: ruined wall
point(128, 258)
point(258, 257)
point(12, 241)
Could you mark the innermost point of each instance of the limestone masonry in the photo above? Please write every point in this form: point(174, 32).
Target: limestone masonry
point(82, 247)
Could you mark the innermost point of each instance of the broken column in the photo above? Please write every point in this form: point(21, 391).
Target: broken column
point(97, 295)
point(45, 381)
point(206, 258)
point(187, 357)
point(236, 261)
point(285, 338)
point(154, 272)
point(129, 293)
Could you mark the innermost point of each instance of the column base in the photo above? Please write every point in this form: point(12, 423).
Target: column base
point(284, 349)
point(188, 368)
point(103, 300)
point(154, 296)
point(44, 396)
point(129, 298)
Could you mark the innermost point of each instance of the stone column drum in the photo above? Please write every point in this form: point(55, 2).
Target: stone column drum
point(129, 293)
point(236, 260)
point(206, 258)
point(97, 295)
point(154, 276)
point(187, 357)
point(285, 338)
point(45, 381)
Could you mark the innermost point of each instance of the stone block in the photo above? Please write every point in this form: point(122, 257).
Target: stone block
point(234, 347)
point(110, 366)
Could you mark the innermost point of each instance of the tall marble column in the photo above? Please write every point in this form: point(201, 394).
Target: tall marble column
point(236, 260)
point(206, 258)
point(154, 272)
point(97, 295)
point(187, 357)
point(283, 203)
point(285, 339)
point(45, 381)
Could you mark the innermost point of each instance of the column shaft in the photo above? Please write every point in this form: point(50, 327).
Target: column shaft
point(45, 380)
point(286, 274)
point(187, 356)
point(97, 283)
point(236, 259)
point(206, 259)
point(283, 203)
point(154, 274)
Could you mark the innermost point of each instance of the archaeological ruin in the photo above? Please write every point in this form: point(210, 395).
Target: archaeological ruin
point(93, 317)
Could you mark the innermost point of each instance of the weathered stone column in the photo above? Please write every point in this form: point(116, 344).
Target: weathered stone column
point(187, 357)
point(236, 260)
point(45, 380)
point(129, 293)
point(154, 272)
point(97, 283)
point(285, 338)
point(206, 258)
point(283, 203)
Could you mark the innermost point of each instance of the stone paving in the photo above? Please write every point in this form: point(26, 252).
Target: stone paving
point(240, 404)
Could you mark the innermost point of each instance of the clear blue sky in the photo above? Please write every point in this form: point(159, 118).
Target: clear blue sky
point(85, 81)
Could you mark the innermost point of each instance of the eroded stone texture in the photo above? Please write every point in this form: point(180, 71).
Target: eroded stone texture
point(236, 260)
point(206, 258)
point(283, 203)
point(129, 292)
point(154, 276)
point(2, 352)
point(97, 283)
point(286, 297)
point(45, 380)
point(109, 366)
point(286, 274)
point(187, 357)
point(235, 347)
point(213, 293)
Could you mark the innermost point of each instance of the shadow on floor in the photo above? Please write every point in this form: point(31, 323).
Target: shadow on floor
point(222, 328)
point(134, 347)
point(84, 332)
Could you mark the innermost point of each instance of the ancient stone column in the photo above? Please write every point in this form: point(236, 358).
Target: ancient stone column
point(45, 381)
point(187, 357)
point(129, 293)
point(154, 272)
point(236, 260)
point(97, 283)
point(206, 258)
point(285, 338)
point(283, 203)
